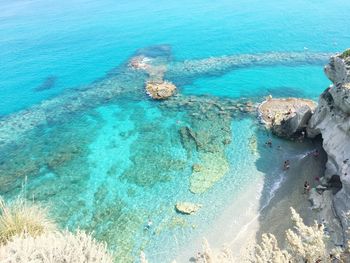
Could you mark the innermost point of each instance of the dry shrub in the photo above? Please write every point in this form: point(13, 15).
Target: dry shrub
point(28, 235)
point(21, 217)
point(213, 256)
point(268, 251)
point(306, 243)
point(55, 247)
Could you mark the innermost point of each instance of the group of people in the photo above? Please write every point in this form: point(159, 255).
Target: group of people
point(286, 164)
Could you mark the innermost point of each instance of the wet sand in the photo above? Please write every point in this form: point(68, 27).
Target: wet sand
point(275, 218)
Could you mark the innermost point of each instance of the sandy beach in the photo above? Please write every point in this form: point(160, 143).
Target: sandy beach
point(241, 225)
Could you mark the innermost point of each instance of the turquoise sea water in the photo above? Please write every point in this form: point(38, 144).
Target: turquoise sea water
point(76, 121)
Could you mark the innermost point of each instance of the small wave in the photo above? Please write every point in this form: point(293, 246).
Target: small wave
point(276, 185)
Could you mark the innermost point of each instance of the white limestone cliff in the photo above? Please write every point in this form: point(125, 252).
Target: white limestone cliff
point(331, 120)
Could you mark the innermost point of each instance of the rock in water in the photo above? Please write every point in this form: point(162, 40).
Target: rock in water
point(187, 208)
point(160, 90)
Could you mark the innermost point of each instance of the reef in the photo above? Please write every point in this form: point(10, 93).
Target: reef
point(188, 70)
point(207, 135)
point(128, 80)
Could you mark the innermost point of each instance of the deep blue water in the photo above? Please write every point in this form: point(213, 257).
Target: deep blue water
point(113, 164)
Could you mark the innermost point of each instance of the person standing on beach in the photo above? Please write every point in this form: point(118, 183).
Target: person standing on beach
point(286, 165)
point(316, 153)
point(306, 187)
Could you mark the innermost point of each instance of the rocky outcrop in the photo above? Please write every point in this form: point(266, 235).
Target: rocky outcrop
point(287, 118)
point(160, 90)
point(187, 208)
point(331, 120)
point(338, 69)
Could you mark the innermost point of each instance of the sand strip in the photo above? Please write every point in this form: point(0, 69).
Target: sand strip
point(241, 225)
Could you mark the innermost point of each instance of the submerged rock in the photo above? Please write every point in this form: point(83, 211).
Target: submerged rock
point(287, 117)
point(48, 83)
point(140, 62)
point(205, 137)
point(160, 90)
point(187, 207)
point(213, 167)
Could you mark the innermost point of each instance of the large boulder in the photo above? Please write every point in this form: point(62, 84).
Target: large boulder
point(293, 124)
point(287, 117)
point(187, 208)
point(160, 90)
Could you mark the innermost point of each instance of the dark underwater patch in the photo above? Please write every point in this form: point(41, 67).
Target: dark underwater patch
point(48, 83)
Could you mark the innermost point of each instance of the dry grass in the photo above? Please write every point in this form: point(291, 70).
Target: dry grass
point(23, 217)
point(28, 235)
point(55, 247)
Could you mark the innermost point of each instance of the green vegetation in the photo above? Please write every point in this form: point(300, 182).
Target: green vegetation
point(345, 54)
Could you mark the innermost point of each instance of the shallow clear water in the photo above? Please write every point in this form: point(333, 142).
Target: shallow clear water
point(103, 155)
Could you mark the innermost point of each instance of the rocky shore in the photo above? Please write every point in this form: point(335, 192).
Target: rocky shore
point(326, 200)
point(330, 121)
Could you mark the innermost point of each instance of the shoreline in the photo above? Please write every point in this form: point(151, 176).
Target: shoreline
point(240, 226)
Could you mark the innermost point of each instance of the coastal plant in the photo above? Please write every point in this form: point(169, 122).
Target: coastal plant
point(268, 251)
point(345, 54)
point(23, 217)
point(29, 235)
point(306, 243)
point(55, 247)
point(210, 256)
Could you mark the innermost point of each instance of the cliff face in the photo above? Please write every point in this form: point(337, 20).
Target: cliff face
point(332, 120)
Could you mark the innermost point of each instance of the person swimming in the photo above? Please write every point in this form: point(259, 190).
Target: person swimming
point(269, 143)
point(149, 224)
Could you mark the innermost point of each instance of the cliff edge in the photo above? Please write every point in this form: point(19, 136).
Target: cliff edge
point(331, 120)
